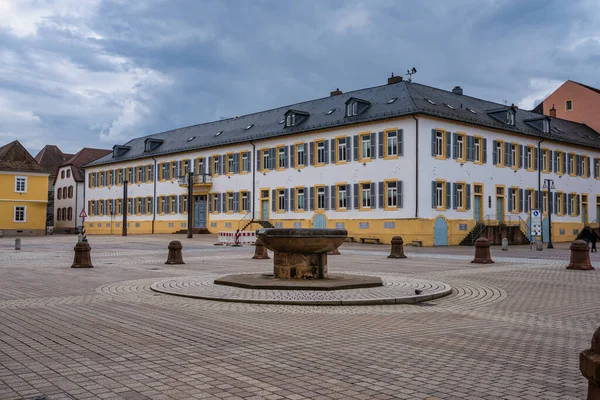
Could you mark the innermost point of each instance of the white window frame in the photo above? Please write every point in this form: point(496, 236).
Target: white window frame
point(19, 179)
point(392, 144)
point(265, 159)
point(245, 202)
point(366, 195)
point(513, 155)
point(320, 203)
point(392, 194)
point(230, 163)
point(300, 198)
point(321, 152)
point(24, 210)
point(439, 144)
point(230, 202)
point(366, 146)
point(342, 197)
point(514, 199)
point(245, 163)
point(281, 200)
point(341, 150)
point(500, 153)
point(300, 154)
point(460, 141)
point(439, 194)
point(281, 157)
point(460, 190)
point(477, 146)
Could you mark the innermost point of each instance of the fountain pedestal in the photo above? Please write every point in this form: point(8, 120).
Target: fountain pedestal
point(301, 253)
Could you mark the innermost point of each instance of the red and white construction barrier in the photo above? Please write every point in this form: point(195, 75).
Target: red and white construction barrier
point(237, 237)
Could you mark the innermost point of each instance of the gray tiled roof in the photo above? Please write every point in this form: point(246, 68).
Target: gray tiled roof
point(412, 98)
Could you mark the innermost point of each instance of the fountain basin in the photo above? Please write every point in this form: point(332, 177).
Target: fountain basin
point(301, 253)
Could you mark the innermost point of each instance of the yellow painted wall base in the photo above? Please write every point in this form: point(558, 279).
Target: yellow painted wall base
point(411, 230)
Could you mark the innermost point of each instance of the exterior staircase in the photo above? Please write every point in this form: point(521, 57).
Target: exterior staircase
point(514, 229)
point(475, 233)
point(198, 231)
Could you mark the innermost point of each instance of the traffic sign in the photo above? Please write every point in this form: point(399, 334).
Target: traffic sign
point(82, 214)
point(536, 222)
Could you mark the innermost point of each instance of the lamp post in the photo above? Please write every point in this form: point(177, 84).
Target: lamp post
point(125, 209)
point(190, 201)
point(549, 185)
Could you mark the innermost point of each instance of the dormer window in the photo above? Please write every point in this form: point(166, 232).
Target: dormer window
point(546, 126)
point(510, 117)
point(118, 150)
point(151, 144)
point(356, 106)
point(295, 118)
point(539, 124)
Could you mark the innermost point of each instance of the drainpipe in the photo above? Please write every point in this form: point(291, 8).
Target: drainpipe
point(75, 210)
point(253, 177)
point(154, 198)
point(540, 202)
point(416, 166)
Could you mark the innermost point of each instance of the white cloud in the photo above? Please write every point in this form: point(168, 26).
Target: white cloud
point(353, 17)
point(539, 89)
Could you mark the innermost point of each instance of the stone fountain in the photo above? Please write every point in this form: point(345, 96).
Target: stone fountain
point(300, 262)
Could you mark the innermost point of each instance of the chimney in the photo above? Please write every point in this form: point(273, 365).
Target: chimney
point(394, 79)
point(457, 90)
point(336, 92)
point(553, 111)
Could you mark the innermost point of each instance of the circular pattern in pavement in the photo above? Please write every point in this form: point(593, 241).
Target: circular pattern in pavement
point(395, 290)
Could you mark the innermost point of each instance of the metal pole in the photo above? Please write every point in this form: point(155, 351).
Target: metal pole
point(125, 209)
point(550, 246)
point(190, 203)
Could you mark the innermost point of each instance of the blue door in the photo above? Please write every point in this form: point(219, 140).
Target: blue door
point(200, 212)
point(440, 232)
point(500, 209)
point(545, 230)
point(319, 221)
point(264, 210)
point(477, 208)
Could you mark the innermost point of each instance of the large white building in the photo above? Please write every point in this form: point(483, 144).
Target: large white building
point(400, 159)
point(69, 190)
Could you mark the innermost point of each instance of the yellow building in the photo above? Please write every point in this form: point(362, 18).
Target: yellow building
point(23, 192)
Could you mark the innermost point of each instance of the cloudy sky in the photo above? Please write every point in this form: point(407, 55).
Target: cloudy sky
point(96, 73)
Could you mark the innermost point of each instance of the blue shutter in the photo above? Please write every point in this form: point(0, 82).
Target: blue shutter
point(495, 152)
point(433, 194)
point(433, 142)
point(550, 160)
point(312, 198)
point(400, 197)
point(292, 199)
point(381, 189)
point(381, 148)
point(373, 142)
point(286, 199)
point(448, 144)
point(273, 200)
point(454, 145)
point(326, 196)
point(333, 196)
point(510, 204)
point(373, 198)
point(305, 155)
point(258, 159)
point(520, 200)
point(535, 159)
point(326, 151)
point(401, 142)
point(356, 204)
point(333, 149)
point(469, 148)
point(293, 157)
point(454, 196)
point(272, 158)
point(469, 196)
point(507, 154)
point(577, 204)
point(306, 200)
point(311, 148)
point(349, 148)
point(448, 196)
point(286, 157)
point(520, 156)
point(355, 147)
point(484, 150)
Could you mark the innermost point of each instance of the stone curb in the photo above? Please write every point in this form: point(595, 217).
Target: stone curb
point(413, 299)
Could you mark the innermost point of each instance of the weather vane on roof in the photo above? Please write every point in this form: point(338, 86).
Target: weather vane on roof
point(410, 73)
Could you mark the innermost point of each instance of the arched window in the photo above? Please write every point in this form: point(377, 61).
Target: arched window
point(58, 214)
point(65, 192)
point(70, 192)
point(64, 213)
point(68, 173)
point(62, 174)
point(70, 213)
point(59, 193)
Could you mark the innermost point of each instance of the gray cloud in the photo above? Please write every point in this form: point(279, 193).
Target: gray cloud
point(98, 73)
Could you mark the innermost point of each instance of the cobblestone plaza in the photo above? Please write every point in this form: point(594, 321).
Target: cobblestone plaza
point(509, 330)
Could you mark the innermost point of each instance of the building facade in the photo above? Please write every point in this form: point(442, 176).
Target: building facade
point(69, 190)
point(50, 159)
point(575, 102)
point(24, 192)
point(399, 159)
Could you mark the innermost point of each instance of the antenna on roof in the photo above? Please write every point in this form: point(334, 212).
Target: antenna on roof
point(410, 73)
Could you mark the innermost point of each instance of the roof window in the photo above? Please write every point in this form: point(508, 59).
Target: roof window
point(218, 133)
point(151, 144)
point(356, 106)
point(281, 121)
point(248, 127)
point(119, 150)
point(393, 99)
point(295, 117)
point(191, 138)
point(330, 111)
point(472, 111)
point(430, 101)
point(449, 106)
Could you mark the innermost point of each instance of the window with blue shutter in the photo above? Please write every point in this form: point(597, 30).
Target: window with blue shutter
point(311, 149)
point(380, 193)
point(349, 148)
point(373, 142)
point(355, 147)
point(454, 196)
point(401, 142)
point(468, 196)
point(448, 196)
point(454, 145)
point(535, 159)
point(356, 197)
point(292, 158)
point(433, 143)
point(312, 198)
point(448, 143)
point(381, 145)
point(373, 199)
point(332, 149)
point(484, 150)
point(332, 190)
point(326, 152)
point(495, 152)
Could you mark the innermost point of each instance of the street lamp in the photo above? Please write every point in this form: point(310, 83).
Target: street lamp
point(549, 185)
point(190, 200)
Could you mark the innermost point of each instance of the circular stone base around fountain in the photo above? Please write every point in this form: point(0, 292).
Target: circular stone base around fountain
point(395, 290)
point(268, 281)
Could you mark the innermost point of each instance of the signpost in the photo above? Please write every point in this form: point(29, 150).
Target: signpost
point(536, 222)
point(83, 216)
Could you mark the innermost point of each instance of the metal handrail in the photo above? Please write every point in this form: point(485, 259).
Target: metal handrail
point(482, 226)
point(245, 220)
point(198, 179)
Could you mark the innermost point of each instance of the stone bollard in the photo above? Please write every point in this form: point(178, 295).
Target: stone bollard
point(260, 251)
point(82, 257)
point(335, 252)
point(589, 365)
point(504, 243)
point(79, 237)
point(397, 248)
point(175, 256)
point(482, 252)
point(539, 246)
point(18, 244)
point(580, 256)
